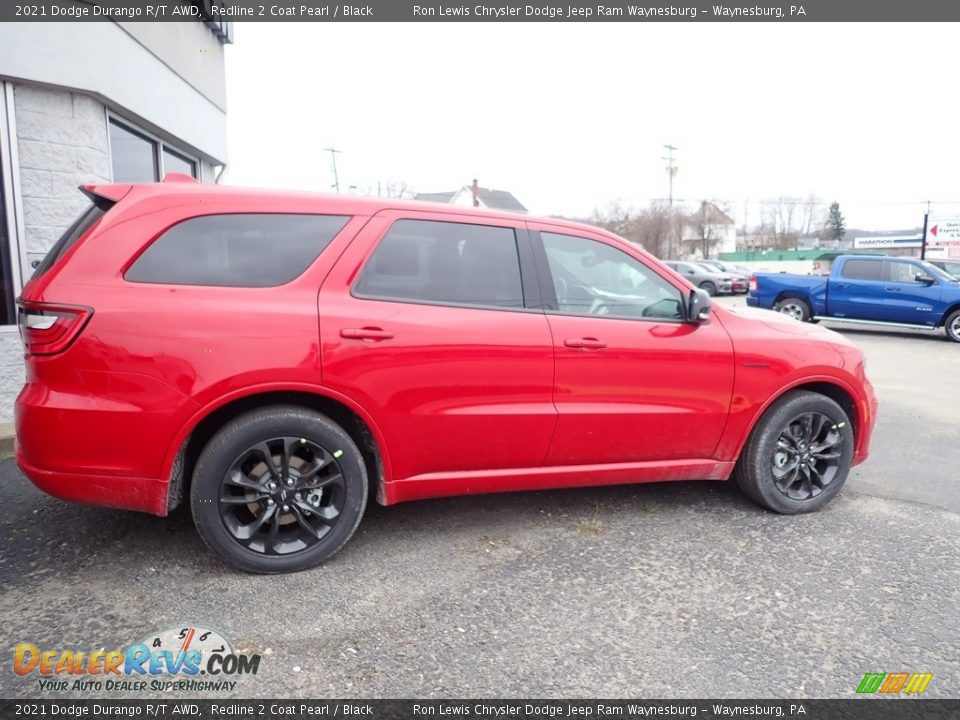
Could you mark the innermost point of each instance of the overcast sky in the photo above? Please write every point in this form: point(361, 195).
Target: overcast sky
point(570, 117)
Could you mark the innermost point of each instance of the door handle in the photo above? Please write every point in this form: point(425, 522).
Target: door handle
point(841, 285)
point(892, 289)
point(587, 343)
point(369, 334)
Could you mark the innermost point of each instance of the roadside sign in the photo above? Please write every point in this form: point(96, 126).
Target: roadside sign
point(944, 233)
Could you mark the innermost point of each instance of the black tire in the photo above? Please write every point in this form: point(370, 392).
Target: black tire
point(952, 326)
point(766, 472)
point(795, 308)
point(709, 287)
point(293, 511)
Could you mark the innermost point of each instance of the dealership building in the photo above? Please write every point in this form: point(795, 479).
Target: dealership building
point(92, 102)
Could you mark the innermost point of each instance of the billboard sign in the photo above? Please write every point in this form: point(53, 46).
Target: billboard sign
point(944, 233)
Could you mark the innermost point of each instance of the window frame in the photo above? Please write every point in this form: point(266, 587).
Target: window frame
point(11, 199)
point(159, 145)
point(551, 302)
point(888, 273)
point(530, 287)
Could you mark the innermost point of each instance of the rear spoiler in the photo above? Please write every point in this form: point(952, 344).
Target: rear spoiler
point(105, 196)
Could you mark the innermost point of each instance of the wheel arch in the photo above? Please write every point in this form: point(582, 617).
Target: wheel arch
point(186, 448)
point(947, 313)
point(794, 295)
point(833, 388)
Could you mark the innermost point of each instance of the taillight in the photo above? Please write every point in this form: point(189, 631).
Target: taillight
point(49, 329)
point(753, 283)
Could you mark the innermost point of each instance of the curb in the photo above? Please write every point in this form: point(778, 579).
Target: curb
point(7, 437)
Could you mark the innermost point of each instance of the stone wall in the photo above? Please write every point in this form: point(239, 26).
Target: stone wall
point(62, 143)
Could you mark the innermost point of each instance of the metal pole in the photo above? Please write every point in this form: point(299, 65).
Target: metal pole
point(670, 168)
point(333, 157)
point(923, 241)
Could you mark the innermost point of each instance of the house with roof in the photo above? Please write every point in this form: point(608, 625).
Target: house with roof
point(707, 231)
point(475, 196)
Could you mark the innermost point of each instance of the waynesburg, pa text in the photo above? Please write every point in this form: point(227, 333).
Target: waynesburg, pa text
point(636, 12)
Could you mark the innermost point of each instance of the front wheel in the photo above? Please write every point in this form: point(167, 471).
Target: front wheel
point(798, 456)
point(952, 326)
point(795, 308)
point(278, 490)
point(710, 288)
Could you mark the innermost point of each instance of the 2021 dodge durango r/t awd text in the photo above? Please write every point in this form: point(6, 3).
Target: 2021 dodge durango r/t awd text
point(273, 358)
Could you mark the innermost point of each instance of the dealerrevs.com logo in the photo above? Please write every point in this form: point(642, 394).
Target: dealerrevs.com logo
point(184, 658)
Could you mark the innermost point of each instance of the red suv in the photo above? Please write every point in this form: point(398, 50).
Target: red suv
point(273, 358)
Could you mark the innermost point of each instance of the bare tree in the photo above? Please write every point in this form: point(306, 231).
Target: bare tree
point(786, 219)
point(655, 228)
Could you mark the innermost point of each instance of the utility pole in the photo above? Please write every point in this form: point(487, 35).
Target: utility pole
point(923, 241)
point(333, 158)
point(671, 168)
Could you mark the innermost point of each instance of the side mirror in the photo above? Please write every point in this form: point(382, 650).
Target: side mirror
point(698, 306)
point(923, 278)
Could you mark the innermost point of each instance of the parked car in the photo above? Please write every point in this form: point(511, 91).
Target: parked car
point(951, 267)
point(874, 290)
point(740, 277)
point(707, 279)
point(272, 359)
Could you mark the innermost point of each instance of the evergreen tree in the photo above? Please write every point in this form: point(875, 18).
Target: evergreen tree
point(836, 226)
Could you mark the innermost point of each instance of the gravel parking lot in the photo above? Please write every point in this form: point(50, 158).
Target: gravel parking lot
point(663, 590)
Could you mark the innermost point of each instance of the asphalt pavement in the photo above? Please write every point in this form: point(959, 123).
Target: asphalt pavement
point(658, 590)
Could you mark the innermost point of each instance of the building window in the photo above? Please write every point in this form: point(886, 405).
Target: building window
point(137, 157)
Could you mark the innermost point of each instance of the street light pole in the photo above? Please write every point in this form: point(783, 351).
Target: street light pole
point(671, 168)
point(333, 158)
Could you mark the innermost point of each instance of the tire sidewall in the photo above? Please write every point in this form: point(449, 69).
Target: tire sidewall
point(802, 304)
point(954, 337)
point(243, 433)
point(757, 476)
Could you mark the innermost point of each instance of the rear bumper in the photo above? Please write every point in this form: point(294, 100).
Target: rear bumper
point(753, 300)
point(143, 494)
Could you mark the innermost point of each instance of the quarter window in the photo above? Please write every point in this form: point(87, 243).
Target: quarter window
point(593, 278)
point(236, 250)
point(446, 263)
point(862, 269)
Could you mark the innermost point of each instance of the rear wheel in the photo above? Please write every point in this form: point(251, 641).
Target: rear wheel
point(794, 307)
point(710, 288)
point(278, 490)
point(952, 326)
point(798, 455)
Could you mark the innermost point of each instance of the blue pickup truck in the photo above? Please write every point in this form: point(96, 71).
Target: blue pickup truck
point(876, 290)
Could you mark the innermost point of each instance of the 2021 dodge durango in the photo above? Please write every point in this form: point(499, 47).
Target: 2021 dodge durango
point(273, 359)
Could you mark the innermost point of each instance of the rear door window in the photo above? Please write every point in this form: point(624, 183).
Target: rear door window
point(447, 263)
point(242, 250)
point(863, 269)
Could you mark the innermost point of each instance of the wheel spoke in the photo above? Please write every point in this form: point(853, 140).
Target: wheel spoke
point(246, 533)
point(299, 510)
point(264, 450)
point(241, 499)
point(237, 478)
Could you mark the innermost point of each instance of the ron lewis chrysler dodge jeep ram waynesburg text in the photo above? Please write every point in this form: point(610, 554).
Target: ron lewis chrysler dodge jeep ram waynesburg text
point(274, 358)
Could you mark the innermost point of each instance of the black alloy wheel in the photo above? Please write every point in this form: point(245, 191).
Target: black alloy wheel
point(798, 455)
point(282, 495)
point(807, 457)
point(278, 489)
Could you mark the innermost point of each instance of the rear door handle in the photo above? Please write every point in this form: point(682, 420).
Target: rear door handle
point(892, 289)
point(370, 334)
point(587, 343)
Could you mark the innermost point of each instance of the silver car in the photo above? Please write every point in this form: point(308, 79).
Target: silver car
point(713, 282)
